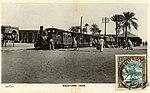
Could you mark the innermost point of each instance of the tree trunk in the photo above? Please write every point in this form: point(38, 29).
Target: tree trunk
point(116, 34)
point(126, 33)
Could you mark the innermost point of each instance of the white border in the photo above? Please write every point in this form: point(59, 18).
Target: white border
point(90, 88)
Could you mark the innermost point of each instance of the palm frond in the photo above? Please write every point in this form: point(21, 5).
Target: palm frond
point(131, 14)
point(134, 24)
point(117, 18)
point(134, 18)
point(130, 20)
point(94, 28)
point(129, 27)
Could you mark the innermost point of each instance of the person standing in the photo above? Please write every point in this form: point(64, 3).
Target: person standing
point(101, 43)
point(2, 39)
point(130, 45)
point(51, 44)
point(74, 43)
point(124, 45)
point(143, 43)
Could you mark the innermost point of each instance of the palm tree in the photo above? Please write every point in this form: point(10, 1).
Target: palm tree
point(99, 31)
point(86, 25)
point(118, 19)
point(94, 28)
point(129, 20)
point(72, 28)
point(75, 28)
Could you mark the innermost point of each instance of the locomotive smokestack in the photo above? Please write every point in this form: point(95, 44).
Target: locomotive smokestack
point(41, 29)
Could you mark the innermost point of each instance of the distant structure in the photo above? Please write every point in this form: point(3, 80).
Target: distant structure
point(28, 36)
point(134, 39)
point(109, 38)
point(10, 32)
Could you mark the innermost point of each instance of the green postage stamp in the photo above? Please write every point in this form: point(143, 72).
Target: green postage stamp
point(131, 71)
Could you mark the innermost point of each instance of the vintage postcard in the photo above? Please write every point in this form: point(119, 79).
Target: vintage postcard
point(74, 46)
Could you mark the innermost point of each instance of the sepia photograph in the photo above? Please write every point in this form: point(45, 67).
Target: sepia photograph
point(69, 43)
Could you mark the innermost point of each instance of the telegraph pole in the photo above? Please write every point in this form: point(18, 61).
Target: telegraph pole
point(81, 25)
point(105, 20)
point(105, 27)
point(80, 37)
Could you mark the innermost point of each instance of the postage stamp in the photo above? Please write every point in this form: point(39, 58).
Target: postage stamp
point(131, 71)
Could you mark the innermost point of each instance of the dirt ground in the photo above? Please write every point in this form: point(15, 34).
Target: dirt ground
point(86, 65)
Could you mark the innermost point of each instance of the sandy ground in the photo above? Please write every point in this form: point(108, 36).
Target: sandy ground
point(87, 65)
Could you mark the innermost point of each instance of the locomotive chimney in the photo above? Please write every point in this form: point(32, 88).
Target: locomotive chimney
point(41, 29)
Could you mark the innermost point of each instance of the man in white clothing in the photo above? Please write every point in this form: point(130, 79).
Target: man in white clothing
point(130, 45)
point(101, 43)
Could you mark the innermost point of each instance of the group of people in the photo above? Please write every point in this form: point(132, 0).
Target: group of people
point(100, 44)
point(127, 44)
point(44, 42)
point(5, 38)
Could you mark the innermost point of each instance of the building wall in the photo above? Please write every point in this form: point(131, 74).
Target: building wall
point(135, 40)
point(11, 30)
point(28, 36)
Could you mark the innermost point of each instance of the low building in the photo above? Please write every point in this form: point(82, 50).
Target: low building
point(28, 36)
point(134, 39)
point(10, 32)
point(22, 36)
point(109, 38)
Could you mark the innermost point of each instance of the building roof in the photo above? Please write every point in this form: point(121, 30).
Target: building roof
point(10, 26)
point(28, 30)
point(108, 34)
point(128, 35)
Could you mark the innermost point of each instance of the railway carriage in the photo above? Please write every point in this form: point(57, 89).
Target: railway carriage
point(64, 39)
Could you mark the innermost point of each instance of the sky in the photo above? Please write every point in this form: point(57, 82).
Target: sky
point(64, 15)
